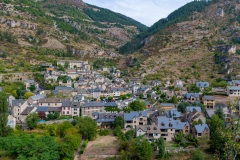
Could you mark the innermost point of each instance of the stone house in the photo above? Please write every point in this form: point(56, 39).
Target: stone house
point(89, 108)
point(233, 91)
point(169, 127)
point(201, 131)
point(209, 101)
point(134, 119)
point(192, 97)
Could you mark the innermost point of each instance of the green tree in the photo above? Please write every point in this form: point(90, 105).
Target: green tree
point(193, 88)
point(66, 64)
point(32, 120)
point(110, 98)
point(182, 106)
point(50, 116)
point(56, 115)
point(3, 114)
point(130, 134)
point(28, 94)
point(118, 133)
point(141, 96)
point(87, 127)
point(161, 147)
point(144, 149)
point(220, 113)
point(32, 88)
point(137, 105)
point(119, 121)
point(197, 155)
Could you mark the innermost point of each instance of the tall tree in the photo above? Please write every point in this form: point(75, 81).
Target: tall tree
point(87, 127)
point(119, 121)
point(137, 105)
point(32, 120)
point(161, 147)
point(3, 114)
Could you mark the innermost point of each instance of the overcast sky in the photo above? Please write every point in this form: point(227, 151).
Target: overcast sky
point(145, 11)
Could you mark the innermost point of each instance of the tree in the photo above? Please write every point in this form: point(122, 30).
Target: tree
point(182, 106)
point(50, 116)
point(3, 114)
point(50, 94)
point(87, 127)
point(193, 88)
point(32, 120)
point(137, 105)
point(141, 96)
point(28, 94)
point(130, 134)
point(119, 121)
point(161, 147)
point(118, 133)
point(197, 155)
point(144, 149)
point(32, 88)
point(110, 98)
point(56, 115)
point(220, 114)
point(66, 64)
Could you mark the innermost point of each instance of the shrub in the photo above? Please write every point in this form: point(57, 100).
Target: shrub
point(104, 132)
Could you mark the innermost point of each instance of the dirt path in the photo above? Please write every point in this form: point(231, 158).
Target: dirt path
point(77, 153)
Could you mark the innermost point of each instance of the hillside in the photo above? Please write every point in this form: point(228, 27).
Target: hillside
point(199, 41)
point(48, 29)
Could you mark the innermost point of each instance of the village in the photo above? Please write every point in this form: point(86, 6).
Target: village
point(81, 91)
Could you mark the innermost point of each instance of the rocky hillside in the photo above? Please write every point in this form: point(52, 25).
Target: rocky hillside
point(60, 28)
point(198, 41)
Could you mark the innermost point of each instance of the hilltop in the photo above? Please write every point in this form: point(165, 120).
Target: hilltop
point(198, 41)
point(48, 29)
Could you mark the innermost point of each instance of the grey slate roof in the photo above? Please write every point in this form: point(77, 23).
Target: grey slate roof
point(173, 113)
point(42, 109)
point(129, 116)
point(60, 88)
point(67, 103)
point(117, 89)
point(170, 123)
point(100, 104)
point(54, 109)
point(211, 98)
point(166, 104)
point(27, 111)
point(193, 108)
point(202, 84)
point(37, 97)
point(30, 81)
point(188, 95)
point(201, 127)
point(17, 102)
point(233, 87)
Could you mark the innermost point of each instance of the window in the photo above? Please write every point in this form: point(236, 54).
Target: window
point(75, 113)
point(67, 112)
point(63, 112)
point(55, 104)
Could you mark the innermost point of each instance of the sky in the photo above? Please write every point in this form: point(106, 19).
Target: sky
point(145, 11)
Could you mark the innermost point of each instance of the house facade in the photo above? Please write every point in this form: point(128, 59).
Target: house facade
point(209, 101)
point(201, 131)
point(134, 119)
point(233, 91)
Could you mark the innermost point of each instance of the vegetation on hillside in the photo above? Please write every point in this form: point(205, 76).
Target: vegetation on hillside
point(105, 15)
point(180, 15)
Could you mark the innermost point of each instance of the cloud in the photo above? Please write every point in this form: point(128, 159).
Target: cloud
point(145, 11)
